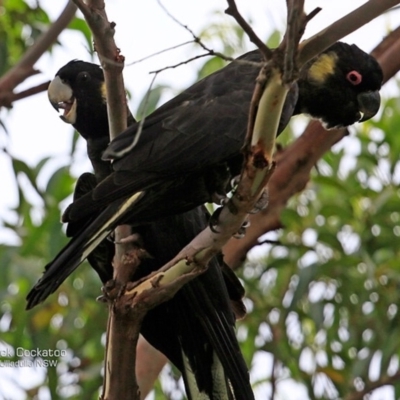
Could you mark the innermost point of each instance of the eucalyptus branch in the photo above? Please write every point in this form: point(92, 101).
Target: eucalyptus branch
point(8, 98)
point(342, 27)
point(291, 41)
point(113, 63)
point(296, 25)
point(24, 68)
point(269, 96)
point(266, 108)
point(199, 251)
point(103, 34)
point(123, 325)
point(295, 163)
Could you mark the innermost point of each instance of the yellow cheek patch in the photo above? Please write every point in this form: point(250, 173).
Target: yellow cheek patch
point(322, 67)
point(104, 92)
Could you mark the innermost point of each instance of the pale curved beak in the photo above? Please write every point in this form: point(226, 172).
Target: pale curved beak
point(368, 103)
point(61, 96)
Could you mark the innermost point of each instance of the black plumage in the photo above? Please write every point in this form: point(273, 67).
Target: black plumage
point(198, 135)
point(204, 127)
point(198, 323)
point(101, 258)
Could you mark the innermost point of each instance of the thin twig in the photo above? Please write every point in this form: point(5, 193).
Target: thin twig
point(157, 53)
point(196, 38)
point(141, 123)
point(273, 376)
point(234, 12)
point(157, 71)
point(295, 28)
point(8, 98)
point(312, 14)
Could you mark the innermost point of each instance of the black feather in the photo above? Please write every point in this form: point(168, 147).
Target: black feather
point(204, 127)
point(199, 321)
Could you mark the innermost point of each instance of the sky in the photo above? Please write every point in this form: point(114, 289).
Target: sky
point(143, 28)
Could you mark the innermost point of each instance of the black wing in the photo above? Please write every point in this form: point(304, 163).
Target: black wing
point(198, 131)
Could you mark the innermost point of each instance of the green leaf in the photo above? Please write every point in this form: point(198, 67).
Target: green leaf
point(60, 184)
point(80, 25)
point(20, 166)
point(212, 65)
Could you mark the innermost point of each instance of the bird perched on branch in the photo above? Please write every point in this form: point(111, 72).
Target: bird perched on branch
point(189, 145)
point(198, 135)
point(195, 329)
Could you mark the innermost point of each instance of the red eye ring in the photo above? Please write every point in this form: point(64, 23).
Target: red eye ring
point(354, 77)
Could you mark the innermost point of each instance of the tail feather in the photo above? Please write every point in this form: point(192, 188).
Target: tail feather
point(78, 249)
point(198, 321)
point(203, 322)
point(228, 352)
point(221, 388)
point(219, 326)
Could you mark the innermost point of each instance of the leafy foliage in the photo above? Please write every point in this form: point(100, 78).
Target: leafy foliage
point(20, 24)
point(68, 322)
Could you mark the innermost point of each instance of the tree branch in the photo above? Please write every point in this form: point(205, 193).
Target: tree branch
point(342, 27)
point(7, 98)
point(370, 386)
point(268, 99)
point(234, 12)
point(294, 164)
point(111, 61)
point(123, 323)
point(297, 22)
point(24, 68)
